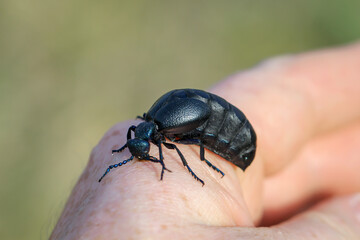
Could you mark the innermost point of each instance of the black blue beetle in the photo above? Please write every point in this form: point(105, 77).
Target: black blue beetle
point(190, 116)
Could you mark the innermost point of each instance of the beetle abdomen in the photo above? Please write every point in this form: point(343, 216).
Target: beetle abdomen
point(228, 133)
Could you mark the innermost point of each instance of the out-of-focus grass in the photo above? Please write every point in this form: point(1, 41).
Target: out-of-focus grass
point(71, 69)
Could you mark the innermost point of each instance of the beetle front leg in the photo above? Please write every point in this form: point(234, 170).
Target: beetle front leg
point(120, 149)
point(132, 128)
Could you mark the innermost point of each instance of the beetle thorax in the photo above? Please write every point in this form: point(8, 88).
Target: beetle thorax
point(145, 130)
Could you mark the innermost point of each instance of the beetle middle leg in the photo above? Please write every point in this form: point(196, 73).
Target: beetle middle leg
point(154, 159)
point(202, 152)
point(173, 146)
point(161, 160)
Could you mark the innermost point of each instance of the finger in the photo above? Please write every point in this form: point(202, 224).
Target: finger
point(131, 198)
point(322, 169)
point(338, 218)
point(335, 219)
point(290, 100)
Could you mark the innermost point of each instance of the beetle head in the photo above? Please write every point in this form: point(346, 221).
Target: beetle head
point(138, 147)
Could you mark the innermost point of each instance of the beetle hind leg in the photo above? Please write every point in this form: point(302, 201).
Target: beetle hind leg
point(202, 158)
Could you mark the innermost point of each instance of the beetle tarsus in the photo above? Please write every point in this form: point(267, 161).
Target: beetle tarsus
point(202, 157)
point(120, 149)
point(154, 159)
point(194, 175)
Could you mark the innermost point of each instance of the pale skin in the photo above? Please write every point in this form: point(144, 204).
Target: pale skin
point(305, 110)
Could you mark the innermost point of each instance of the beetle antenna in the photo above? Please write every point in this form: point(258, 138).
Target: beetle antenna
point(115, 166)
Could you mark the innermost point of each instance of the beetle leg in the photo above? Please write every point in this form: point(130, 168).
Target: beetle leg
point(188, 141)
point(202, 152)
point(202, 157)
point(173, 146)
point(115, 166)
point(162, 160)
point(120, 149)
point(141, 117)
point(154, 159)
point(132, 128)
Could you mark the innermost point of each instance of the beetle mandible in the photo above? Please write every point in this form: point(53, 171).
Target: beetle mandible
point(190, 116)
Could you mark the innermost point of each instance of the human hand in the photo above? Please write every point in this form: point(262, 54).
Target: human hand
point(305, 110)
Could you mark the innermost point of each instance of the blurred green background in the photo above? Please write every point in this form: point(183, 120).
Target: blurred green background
point(69, 70)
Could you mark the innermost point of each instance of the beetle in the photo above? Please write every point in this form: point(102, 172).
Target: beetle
point(191, 116)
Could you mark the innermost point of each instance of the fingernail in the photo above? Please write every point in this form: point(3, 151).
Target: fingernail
point(354, 203)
